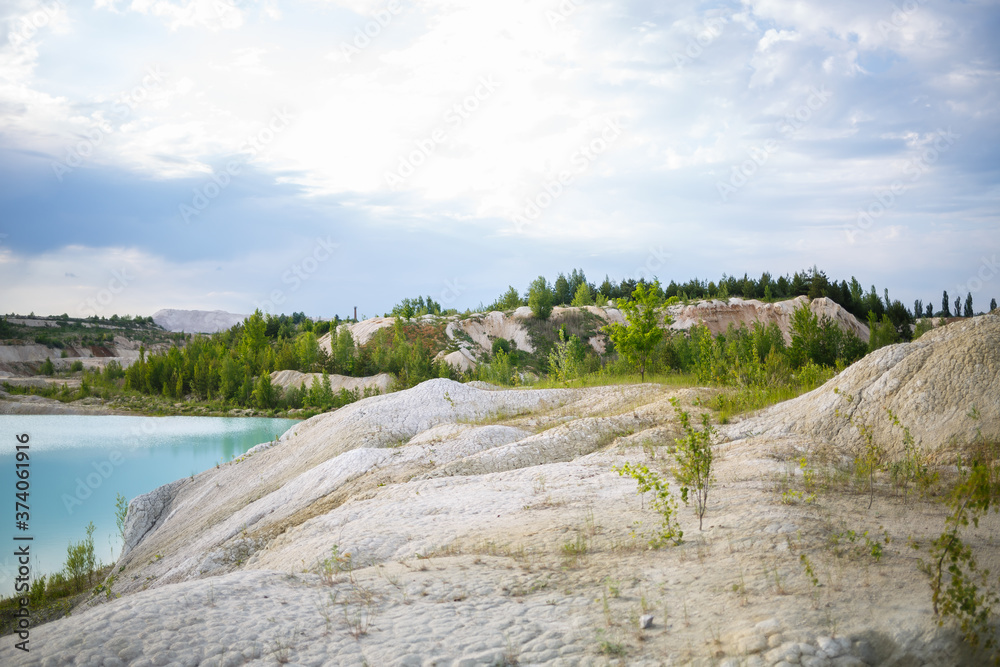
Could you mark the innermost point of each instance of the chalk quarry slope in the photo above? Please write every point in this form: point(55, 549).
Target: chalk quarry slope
point(473, 336)
point(473, 525)
point(944, 387)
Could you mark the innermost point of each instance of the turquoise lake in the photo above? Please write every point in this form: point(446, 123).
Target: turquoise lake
point(78, 466)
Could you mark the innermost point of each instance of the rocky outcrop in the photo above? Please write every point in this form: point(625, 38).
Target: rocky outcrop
point(717, 315)
point(944, 386)
point(145, 512)
point(288, 378)
point(362, 331)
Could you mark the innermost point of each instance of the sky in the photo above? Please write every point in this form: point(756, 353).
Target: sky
point(322, 155)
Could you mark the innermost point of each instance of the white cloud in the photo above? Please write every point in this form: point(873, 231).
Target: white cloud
point(694, 88)
point(208, 14)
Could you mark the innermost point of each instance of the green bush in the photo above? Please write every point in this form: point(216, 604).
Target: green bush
point(499, 370)
point(663, 502)
point(540, 298)
point(80, 559)
point(566, 360)
point(960, 589)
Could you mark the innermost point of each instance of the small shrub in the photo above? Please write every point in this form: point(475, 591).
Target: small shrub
point(694, 460)
point(80, 559)
point(960, 589)
point(870, 456)
point(121, 513)
point(663, 502)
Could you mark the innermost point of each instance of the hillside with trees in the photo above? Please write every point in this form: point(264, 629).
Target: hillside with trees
point(582, 344)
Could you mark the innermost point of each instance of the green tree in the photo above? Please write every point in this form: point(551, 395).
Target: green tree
point(343, 351)
point(540, 298)
point(254, 339)
point(47, 367)
point(265, 394)
point(881, 333)
point(509, 301)
point(582, 296)
point(561, 289)
point(945, 309)
point(968, 306)
point(636, 340)
point(993, 304)
point(307, 351)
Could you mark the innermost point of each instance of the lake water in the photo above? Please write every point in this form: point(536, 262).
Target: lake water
point(78, 465)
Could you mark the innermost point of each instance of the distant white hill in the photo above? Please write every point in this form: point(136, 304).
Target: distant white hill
point(196, 321)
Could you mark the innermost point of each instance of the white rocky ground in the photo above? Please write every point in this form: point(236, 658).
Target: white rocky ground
point(486, 526)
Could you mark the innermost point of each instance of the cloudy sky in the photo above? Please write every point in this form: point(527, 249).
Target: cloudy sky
point(323, 154)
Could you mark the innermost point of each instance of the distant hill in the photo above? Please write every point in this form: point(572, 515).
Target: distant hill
point(196, 321)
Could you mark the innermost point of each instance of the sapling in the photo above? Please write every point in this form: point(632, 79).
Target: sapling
point(662, 502)
point(694, 460)
point(959, 587)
